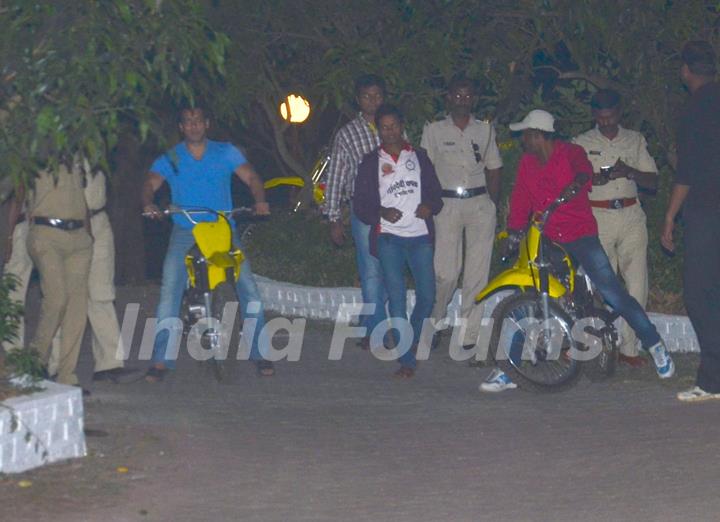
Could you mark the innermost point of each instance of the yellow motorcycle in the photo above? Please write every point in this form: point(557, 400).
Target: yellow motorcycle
point(553, 326)
point(213, 268)
point(317, 176)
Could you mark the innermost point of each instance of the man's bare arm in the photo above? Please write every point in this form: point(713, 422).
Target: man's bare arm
point(492, 180)
point(254, 182)
point(152, 183)
point(677, 198)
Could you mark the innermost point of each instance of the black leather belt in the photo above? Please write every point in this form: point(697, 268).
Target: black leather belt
point(95, 212)
point(62, 224)
point(463, 193)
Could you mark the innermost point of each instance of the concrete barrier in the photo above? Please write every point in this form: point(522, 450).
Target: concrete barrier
point(41, 427)
point(324, 303)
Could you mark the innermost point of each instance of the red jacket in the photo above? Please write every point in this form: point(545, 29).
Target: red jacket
point(539, 185)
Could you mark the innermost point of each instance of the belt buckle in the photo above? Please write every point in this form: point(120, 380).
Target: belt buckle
point(463, 193)
point(616, 204)
point(55, 222)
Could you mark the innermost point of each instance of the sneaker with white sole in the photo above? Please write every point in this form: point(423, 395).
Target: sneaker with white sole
point(696, 394)
point(497, 381)
point(664, 365)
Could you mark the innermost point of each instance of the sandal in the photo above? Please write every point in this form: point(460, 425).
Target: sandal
point(405, 373)
point(155, 374)
point(265, 368)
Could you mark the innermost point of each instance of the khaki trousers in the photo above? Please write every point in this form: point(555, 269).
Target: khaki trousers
point(21, 266)
point(623, 235)
point(474, 219)
point(63, 262)
point(101, 308)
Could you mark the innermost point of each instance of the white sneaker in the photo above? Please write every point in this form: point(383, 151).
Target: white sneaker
point(497, 381)
point(696, 394)
point(664, 365)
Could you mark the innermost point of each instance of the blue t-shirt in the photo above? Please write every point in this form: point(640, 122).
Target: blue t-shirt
point(199, 183)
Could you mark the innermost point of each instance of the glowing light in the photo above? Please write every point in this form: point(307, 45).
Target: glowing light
point(295, 109)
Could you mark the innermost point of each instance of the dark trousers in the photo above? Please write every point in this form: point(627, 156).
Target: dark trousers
point(590, 254)
point(701, 279)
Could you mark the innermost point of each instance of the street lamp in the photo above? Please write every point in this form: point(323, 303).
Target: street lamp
point(295, 109)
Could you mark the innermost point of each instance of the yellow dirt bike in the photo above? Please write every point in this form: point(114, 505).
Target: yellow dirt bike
point(317, 176)
point(553, 326)
point(213, 268)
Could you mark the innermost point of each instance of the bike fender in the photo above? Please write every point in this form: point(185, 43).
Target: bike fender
point(293, 181)
point(519, 278)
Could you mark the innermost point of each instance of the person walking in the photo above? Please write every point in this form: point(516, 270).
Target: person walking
point(60, 246)
point(352, 142)
point(697, 192)
point(396, 194)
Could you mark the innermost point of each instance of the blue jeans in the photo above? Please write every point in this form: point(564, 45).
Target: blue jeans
point(371, 277)
point(416, 252)
point(174, 281)
point(590, 254)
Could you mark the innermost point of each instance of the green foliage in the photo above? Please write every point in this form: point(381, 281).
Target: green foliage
point(25, 362)
point(74, 73)
point(10, 311)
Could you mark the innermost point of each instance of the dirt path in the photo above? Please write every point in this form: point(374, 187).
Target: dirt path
point(343, 441)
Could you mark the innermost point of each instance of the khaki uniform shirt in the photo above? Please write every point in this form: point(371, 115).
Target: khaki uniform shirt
point(61, 196)
point(629, 146)
point(460, 156)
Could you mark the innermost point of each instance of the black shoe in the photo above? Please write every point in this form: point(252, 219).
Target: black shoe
point(118, 375)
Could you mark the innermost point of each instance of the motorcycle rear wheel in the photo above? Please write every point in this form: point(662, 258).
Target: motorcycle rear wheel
point(603, 366)
point(521, 347)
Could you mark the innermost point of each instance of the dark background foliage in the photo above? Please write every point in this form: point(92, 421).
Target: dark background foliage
point(103, 78)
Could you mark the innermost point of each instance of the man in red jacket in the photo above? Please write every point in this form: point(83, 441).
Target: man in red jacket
point(546, 168)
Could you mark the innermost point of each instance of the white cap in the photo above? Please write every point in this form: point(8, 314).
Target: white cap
point(537, 119)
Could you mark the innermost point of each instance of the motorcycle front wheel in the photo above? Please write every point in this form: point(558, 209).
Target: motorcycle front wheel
point(222, 294)
point(535, 351)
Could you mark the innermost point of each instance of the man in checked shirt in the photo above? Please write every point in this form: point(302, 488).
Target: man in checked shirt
point(351, 143)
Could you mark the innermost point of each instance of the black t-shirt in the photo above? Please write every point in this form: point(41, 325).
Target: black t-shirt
point(699, 148)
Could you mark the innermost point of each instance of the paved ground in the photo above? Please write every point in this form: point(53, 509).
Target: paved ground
point(343, 441)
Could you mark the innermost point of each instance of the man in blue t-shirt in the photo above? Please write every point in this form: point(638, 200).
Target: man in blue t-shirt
point(199, 171)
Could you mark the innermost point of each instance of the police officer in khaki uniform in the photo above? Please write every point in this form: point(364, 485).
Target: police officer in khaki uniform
point(107, 347)
point(621, 163)
point(468, 164)
point(61, 249)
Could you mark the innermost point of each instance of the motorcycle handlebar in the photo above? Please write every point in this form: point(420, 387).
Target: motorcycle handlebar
point(567, 194)
point(199, 210)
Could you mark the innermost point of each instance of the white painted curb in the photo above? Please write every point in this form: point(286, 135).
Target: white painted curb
point(324, 303)
point(48, 427)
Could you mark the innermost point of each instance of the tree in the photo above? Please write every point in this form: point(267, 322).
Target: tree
point(75, 72)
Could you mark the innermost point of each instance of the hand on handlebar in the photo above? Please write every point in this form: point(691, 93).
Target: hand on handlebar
point(152, 211)
point(262, 208)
